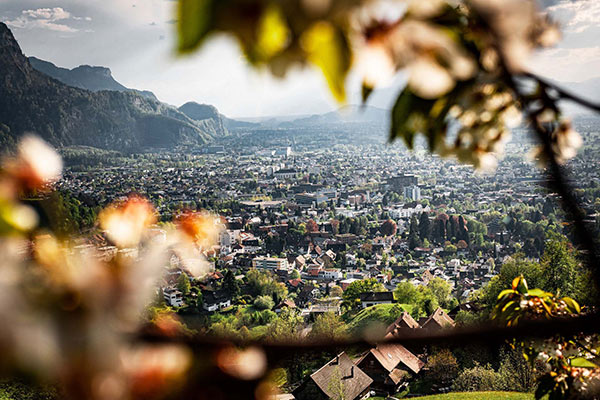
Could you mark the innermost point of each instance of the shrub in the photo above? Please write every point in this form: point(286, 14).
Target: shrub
point(517, 374)
point(478, 378)
point(264, 303)
point(442, 369)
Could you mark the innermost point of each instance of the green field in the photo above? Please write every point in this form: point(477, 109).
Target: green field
point(480, 396)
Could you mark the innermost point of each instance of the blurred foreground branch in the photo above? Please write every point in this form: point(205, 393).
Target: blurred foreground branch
point(488, 334)
point(564, 94)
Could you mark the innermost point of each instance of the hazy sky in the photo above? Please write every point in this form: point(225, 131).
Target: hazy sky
point(135, 38)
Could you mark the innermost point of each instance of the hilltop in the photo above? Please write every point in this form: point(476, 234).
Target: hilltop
point(88, 77)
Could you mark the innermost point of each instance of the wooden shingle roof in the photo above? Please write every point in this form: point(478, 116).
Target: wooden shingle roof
point(397, 375)
point(390, 356)
point(405, 321)
point(341, 375)
point(438, 320)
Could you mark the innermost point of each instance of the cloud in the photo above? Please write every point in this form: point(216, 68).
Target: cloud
point(567, 64)
point(577, 55)
point(577, 16)
point(46, 18)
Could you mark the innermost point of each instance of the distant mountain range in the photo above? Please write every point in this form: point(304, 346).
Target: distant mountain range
point(87, 77)
point(351, 114)
point(86, 106)
point(369, 114)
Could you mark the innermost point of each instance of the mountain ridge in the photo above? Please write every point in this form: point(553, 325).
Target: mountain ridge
point(31, 101)
point(93, 78)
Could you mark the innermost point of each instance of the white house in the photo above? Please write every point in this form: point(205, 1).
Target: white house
point(285, 174)
point(173, 297)
point(374, 298)
point(407, 211)
point(216, 300)
point(228, 237)
point(350, 259)
point(270, 263)
point(333, 274)
point(412, 192)
point(453, 264)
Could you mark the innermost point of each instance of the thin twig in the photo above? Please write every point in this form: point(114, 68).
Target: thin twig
point(563, 93)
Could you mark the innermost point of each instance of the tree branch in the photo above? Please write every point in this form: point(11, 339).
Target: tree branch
point(564, 94)
point(557, 181)
point(486, 334)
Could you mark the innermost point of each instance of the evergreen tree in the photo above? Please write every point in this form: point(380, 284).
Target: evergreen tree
point(439, 232)
point(453, 225)
point(413, 233)
point(424, 226)
point(230, 283)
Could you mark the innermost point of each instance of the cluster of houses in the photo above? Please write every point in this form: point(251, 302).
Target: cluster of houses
point(312, 271)
point(273, 196)
point(268, 187)
point(384, 369)
point(313, 274)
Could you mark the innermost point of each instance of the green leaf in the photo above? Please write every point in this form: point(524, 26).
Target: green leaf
point(546, 307)
point(327, 48)
point(537, 293)
point(510, 312)
point(11, 218)
point(515, 282)
point(508, 304)
point(572, 305)
point(438, 124)
point(410, 115)
point(581, 362)
point(195, 20)
point(506, 292)
point(273, 33)
point(522, 286)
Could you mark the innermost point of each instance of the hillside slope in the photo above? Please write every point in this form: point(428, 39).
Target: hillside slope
point(205, 115)
point(31, 101)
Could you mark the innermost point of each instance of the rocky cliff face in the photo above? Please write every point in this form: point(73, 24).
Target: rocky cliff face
point(87, 77)
point(31, 101)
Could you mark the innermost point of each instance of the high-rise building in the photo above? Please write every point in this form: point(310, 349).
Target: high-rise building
point(412, 192)
point(398, 183)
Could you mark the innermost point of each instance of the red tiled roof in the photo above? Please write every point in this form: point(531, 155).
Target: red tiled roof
point(295, 282)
